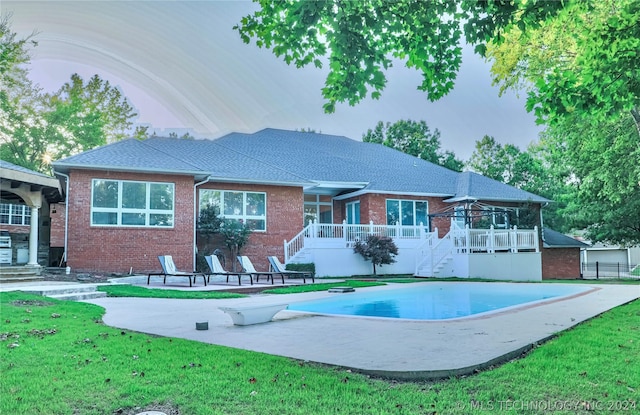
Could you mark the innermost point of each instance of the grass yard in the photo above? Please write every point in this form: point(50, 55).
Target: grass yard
point(124, 290)
point(58, 357)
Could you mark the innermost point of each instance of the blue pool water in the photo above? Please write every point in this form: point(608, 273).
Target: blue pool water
point(437, 301)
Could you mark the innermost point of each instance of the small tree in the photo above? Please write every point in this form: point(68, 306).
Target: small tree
point(235, 235)
point(378, 249)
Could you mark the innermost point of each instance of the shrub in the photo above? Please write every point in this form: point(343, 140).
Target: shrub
point(303, 267)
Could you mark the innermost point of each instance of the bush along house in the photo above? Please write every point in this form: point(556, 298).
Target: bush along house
point(307, 197)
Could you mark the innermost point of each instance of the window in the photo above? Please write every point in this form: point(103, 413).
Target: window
point(318, 207)
point(15, 214)
point(353, 212)
point(459, 215)
point(499, 217)
point(407, 212)
point(247, 207)
point(128, 203)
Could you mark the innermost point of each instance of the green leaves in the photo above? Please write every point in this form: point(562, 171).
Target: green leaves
point(378, 249)
point(359, 39)
point(36, 128)
point(413, 138)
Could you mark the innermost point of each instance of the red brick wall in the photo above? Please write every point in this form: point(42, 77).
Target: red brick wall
point(373, 207)
point(56, 213)
point(284, 221)
point(22, 229)
point(117, 249)
point(560, 263)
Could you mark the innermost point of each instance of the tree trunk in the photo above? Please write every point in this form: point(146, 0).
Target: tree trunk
point(635, 113)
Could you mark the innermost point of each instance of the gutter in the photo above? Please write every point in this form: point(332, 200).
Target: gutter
point(195, 219)
point(66, 214)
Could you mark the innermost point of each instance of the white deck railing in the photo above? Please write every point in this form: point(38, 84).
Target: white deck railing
point(491, 240)
point(458, 240)
point(348, 234)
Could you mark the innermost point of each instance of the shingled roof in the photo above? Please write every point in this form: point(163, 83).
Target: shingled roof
point(294, 158)
point(555, 239)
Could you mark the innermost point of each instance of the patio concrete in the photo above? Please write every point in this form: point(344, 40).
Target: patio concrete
point(390, 348)
point(383, 347)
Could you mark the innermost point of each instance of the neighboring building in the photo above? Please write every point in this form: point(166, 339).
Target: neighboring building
point(561, 258)
point(601, 260)
point(308, 197)
point(24, 215)
point(611, 254)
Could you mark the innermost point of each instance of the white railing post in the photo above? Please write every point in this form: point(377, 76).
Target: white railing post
point(286, 253)
point(370, 227)
point(314, 229)
point(514, 239)
point(467, 239)
point(421, 232)
point(491, 240)
point(536, 241)
point(344, 231)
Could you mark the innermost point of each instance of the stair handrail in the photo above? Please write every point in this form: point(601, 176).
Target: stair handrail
point(425, 247)
point(296, 244)
point(438, 255)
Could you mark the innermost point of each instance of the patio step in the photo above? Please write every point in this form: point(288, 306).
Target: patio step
point(75, 292)
point(20, 278)
point(19, 273)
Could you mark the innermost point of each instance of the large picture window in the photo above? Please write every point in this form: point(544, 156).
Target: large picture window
point(247, 207)
point(407, 212)
point(129, 203)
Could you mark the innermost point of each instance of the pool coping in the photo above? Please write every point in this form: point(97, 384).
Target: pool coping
point(484, 314)
point(407, 350)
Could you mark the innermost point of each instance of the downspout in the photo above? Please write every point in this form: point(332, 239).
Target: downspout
point(195, 219)
point(542, 226)
point(66, 214)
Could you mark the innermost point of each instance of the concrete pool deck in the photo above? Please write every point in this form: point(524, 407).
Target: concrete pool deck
point(390, 348)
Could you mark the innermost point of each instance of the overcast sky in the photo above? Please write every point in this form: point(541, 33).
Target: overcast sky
point(183, 66)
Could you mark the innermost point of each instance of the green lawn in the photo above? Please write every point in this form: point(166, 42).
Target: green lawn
point(123, 290)
point(58, 357)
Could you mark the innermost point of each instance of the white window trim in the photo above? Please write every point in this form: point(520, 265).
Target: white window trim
point(413, 202)
point(243, 217)
point(120, 210)
point(350, 207)
point(317, 203)
point(24, 213)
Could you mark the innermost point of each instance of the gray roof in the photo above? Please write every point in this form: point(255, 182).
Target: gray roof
point(296, 158)
point(18, 175)
point(554, 239)
point(10, 166)
point(474, 186)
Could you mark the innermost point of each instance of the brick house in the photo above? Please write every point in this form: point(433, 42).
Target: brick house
point(307, 196)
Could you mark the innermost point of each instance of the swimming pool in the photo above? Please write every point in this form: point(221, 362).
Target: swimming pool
point(437, 301)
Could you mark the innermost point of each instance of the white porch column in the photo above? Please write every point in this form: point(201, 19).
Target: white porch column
point(33, 236)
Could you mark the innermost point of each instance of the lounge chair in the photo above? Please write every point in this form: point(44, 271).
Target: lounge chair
point(247, 265)
point(169, 270)
point(278, 268)
point(217, 269)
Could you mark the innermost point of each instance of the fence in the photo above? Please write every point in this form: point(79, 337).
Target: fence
point(616, 270)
